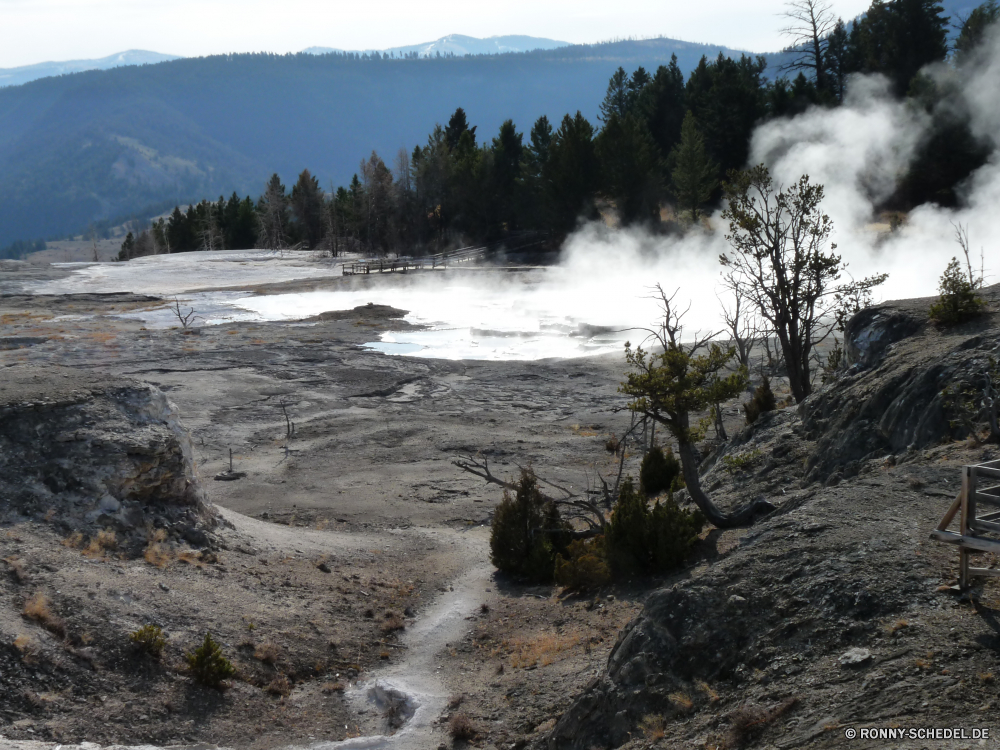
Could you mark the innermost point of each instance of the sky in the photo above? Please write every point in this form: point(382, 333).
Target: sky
point(33, 31)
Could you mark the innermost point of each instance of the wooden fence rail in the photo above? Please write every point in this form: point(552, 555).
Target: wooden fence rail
point(974, 524)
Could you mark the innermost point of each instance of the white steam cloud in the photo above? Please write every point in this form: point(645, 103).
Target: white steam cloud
point(858, 152)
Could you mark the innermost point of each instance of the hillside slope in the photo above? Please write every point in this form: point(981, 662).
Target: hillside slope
point(837, 611)
point(102, 144)
point(25, 73)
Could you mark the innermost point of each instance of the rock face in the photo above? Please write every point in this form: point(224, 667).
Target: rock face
point(85, 458)
point(802, 601)
point(894, 396)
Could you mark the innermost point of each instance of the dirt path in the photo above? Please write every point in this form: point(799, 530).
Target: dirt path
point(415, 692)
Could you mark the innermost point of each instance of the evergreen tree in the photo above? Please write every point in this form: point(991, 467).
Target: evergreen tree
point(728, 100)
point(618, 99)
point(507, 153)
point(272, 219)
point(457, 125)
point(536, 155)
point(973, 29)
point(630, 168)
point(898, 38)
point(662, 104)
point(837, 60)
point(694, 176)
point(571, 174)
point(307, 209)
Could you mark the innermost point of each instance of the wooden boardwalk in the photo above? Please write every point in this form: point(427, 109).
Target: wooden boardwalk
point(978, 528)
point(440, 261)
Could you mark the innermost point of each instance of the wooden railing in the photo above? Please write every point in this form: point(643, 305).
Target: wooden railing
point(439, 260)
point(978, 509)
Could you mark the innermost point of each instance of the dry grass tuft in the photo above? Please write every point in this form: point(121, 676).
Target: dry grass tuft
point(74, 540)
point(279, 686)
point(705, 688)
point(985, 677)
point(191, 557)
point(392, 623)
point(17, 569)
point(26, 645)
point(461, 728)
point(746, 722)
point(333, 687)
point(897, 626)
point(681, 701)
point(653, 727)
point(38, 608)
point(101, 544)
point(267, 652)
point(157, 552)
point(540, 651)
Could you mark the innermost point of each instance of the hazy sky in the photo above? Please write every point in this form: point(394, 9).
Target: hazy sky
point(40, 30)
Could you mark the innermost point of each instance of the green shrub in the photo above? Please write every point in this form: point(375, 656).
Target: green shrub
point(584, 566)
point(527, 532)
point(763, 400)
point(643, 541)
point(149, 638)
point(208, 665)
point(659, 471)
point(741, 461)
point(958, 300)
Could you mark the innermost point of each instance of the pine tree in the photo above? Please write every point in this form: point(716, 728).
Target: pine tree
point(457, 125)
point(272, 220)
point(571, 173)
point(661, 103)
point(630, 168)
point(507, 152)
point(618, 99)
point(307, 209)
point(694, 176)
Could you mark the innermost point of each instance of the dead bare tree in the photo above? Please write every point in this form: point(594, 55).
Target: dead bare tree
point(811, 22)
point(962, 238)
point(184, 319)
point(211, 235)
point(743, 323)
point(574, 505)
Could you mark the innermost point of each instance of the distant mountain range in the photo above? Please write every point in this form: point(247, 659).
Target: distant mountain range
point(102, 144)
point(460, 45)
point(26, 73)
point(453, 44)
point(105, 143)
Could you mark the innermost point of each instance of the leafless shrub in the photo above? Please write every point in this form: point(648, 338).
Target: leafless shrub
point(279, 686)
point(17, 569)
point(392, 623)
point(461, 728)
point(746, 722)
point(185, 319)
point(101, 544)
point(157, 552)
point(267, 652)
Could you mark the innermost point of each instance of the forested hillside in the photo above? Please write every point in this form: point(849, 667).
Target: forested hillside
point(660, 138)
point(106, 143)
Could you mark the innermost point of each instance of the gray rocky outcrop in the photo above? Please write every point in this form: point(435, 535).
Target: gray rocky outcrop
point(895, 395)
point(87, 457)
point(805, 591)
